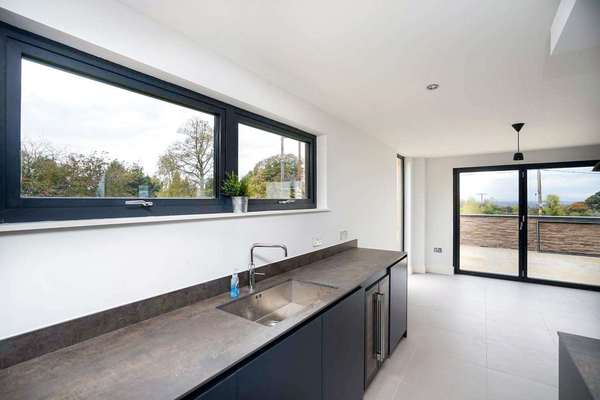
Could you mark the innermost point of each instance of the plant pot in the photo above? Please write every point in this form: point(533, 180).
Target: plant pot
point(240, 204)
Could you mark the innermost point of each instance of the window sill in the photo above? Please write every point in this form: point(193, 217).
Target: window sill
point(55, 225)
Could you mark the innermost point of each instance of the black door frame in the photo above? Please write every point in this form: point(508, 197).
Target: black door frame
point(522, 267)
point(403, 211)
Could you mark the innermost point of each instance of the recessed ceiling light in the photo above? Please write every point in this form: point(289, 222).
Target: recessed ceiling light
point(433, 86)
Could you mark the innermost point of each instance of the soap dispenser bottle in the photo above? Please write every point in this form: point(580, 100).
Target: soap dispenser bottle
point(234, 288)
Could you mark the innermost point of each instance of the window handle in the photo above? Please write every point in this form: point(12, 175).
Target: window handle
point(288, 201)
point(141, 203)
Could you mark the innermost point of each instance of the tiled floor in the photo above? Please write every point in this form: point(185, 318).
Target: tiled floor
point(483, 338)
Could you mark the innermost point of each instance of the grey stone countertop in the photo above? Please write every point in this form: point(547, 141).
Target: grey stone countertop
point(168, 356)
point(585, 353)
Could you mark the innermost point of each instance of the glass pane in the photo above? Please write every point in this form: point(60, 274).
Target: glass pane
point(274, 165)
point(489, 222)
point(564, 225)
point(84, 138)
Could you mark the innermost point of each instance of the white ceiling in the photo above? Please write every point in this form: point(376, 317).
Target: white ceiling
point(368, 62)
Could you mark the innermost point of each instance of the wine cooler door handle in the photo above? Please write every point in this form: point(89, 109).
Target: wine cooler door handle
point(379, 324)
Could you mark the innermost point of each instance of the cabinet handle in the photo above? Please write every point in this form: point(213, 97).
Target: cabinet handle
point(379, 333)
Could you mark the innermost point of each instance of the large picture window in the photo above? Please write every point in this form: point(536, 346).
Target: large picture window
point(86, 138)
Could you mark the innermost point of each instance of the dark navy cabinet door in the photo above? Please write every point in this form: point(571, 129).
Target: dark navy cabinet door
point(290, 370)
point(398, 302)
point(343, 349)
point(223, 390)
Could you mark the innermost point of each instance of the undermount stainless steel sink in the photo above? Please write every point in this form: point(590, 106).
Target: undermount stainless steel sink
point(273, 305)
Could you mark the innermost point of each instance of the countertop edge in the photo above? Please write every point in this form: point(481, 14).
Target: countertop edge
point(582, 351)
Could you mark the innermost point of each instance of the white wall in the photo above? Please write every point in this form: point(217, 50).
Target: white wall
point(416, 217)
point(439, 194)
point(52, 276)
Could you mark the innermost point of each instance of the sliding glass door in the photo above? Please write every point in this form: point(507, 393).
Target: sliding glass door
point(533, 222)
point(489, 222)
point(563, 208)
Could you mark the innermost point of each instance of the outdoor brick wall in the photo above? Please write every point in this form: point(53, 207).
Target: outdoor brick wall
point(556, 237)
point(499, 232)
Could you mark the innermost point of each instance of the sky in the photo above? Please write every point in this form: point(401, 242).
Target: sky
point(77, 114)
point(570, 184)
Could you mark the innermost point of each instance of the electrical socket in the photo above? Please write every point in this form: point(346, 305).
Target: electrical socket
point(437, 249)
point(316, 242)
point(343, 235)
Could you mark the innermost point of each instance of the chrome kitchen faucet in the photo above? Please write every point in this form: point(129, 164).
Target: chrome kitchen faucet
point(251, 272)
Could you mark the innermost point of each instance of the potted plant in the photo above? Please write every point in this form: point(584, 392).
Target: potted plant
point(237, 189)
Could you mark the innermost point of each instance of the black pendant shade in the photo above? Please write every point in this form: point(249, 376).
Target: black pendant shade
point(517, 127)
point(518, 156)
point(596, 167)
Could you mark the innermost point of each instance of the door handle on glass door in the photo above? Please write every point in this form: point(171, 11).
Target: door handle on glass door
point(522, 223)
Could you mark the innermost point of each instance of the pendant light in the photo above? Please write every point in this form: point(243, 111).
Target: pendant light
point(518, 156)
point(596, 167)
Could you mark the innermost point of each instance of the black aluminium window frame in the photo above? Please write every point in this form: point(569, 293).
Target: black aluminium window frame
point(256, 121)
point(403, 211)
point(523, 216)
point(16, 44)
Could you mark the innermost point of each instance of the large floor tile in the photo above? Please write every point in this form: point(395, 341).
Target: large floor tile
point(517, 316)
point(432, 376)
point(400, 359)
point(501, 386)
point(450, 320)
point(384, 386)
point(447, 344)
point(526, 337)
point(575, 324)
point(535, 365)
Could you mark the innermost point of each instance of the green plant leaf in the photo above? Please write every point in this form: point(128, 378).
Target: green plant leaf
point(232, 186)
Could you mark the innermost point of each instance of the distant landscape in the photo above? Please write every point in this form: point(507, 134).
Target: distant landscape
point(552, 205)
point(185, 169)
